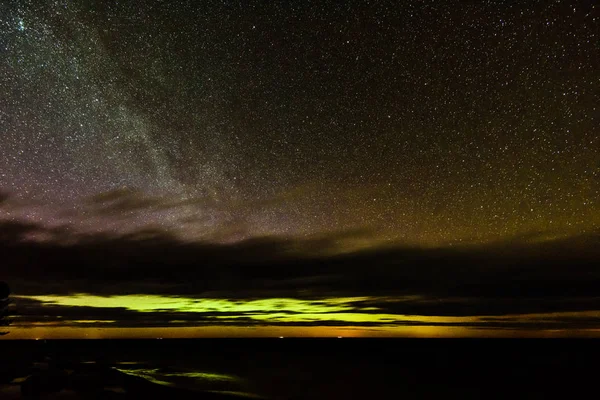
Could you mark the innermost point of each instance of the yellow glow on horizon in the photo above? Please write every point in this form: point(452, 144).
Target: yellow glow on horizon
point(287, 332)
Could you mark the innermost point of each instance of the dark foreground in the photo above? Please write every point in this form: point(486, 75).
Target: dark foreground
point(302, 368)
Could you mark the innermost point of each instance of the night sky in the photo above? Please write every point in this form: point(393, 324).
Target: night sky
point(239, 139)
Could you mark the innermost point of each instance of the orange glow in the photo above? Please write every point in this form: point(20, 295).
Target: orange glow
point(53, 332)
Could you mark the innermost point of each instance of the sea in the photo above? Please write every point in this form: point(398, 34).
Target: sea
point(332, 368)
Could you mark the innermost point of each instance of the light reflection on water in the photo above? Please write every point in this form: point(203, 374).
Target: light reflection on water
point(192, 380)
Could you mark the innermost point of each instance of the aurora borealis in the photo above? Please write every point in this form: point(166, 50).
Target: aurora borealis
point(205, 159)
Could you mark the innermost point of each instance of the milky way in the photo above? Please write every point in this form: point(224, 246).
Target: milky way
point(420, 122)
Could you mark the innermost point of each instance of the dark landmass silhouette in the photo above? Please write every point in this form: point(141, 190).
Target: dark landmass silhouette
point(4, 302)
point(322, 368)
point(94, 380)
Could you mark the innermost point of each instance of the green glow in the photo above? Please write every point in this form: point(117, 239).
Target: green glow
point(152, 374)
point(193, 380)
point(207, 376)
point(146, 374)
point(151, 303)
point(351, 317)
point(275, 310)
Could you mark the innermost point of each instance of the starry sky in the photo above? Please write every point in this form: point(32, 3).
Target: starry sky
point(331, 128)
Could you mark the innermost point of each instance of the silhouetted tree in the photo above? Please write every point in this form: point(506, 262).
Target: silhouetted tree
point(4, 293)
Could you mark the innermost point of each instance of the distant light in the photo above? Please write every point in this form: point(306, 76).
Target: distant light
point(280, 337)
point(339, 337)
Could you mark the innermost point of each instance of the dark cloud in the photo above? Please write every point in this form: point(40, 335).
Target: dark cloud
point(16, 231)
point(4, 196)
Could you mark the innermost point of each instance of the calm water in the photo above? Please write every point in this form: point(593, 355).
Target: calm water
point(344, 368)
